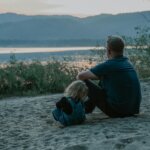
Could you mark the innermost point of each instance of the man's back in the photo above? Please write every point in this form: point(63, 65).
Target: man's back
point(121, 84)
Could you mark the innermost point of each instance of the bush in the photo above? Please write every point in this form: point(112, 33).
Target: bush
point(140, 57)
point(20, 78)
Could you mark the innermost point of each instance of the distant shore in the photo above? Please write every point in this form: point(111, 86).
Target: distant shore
point(43, 54)
point(43, 49)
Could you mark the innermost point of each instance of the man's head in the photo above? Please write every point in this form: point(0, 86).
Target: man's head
point(115, 46)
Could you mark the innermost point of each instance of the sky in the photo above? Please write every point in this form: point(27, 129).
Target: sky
point(80, 8)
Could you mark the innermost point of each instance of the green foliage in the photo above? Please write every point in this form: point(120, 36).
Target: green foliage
point(141, 46)
point(142, 39)
point(141, 64)
point(20, 78)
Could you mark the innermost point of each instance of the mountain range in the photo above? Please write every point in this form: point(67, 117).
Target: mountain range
point(40, 30)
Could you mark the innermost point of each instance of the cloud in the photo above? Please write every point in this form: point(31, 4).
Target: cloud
point(26, 6)
point(94, 7)
point(73, 7)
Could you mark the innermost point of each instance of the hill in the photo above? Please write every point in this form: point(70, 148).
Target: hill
point(67, 30)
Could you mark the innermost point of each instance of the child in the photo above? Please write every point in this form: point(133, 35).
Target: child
point(70, 109)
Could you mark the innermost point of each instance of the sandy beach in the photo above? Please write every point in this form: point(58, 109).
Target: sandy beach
point(26, 124)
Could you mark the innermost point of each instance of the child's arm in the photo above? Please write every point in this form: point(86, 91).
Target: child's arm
point(64, 105)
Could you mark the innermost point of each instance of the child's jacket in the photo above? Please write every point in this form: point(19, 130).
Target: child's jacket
point(77, 115)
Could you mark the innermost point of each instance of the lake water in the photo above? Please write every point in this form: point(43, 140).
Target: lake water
point(26, 54)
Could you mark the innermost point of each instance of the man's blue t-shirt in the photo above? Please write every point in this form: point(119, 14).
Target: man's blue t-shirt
point(120, 81)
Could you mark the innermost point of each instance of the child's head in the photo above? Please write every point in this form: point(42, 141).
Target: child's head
point(77, 90)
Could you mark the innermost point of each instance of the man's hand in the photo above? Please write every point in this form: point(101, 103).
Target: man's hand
point(84, 75)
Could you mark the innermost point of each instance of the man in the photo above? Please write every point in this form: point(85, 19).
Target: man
point(118, 93)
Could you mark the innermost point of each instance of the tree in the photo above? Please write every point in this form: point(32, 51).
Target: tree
point(142, 39)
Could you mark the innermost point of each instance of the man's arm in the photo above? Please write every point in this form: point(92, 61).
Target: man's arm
point(84, 75)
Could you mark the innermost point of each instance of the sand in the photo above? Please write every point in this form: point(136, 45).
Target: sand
point(26, 124)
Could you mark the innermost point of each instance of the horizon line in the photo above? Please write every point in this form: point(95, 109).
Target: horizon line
point(72, 15)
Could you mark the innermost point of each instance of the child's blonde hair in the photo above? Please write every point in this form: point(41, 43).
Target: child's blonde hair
point(77, 90)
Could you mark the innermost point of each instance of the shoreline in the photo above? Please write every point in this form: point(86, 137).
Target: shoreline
point(38, 50)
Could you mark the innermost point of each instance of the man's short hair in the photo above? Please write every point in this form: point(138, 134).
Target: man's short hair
point(116, 43)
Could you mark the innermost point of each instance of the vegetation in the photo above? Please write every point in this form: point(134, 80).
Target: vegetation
point(140, 55)
point(20, 78)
